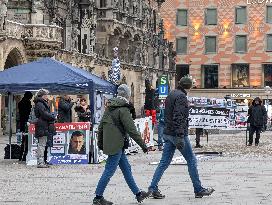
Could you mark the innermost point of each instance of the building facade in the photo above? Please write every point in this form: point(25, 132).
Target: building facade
point(84, 33)
point(224, 44)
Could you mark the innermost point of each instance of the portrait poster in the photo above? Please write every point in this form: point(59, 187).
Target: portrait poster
point(70, 144)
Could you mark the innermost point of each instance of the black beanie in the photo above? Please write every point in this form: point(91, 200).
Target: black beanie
point(185, 82)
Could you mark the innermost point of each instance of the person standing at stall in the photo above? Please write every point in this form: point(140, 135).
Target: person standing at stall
point(24, 107)
point(65, 109)
point(44, 126)
point(116, 123)
point(83, 111)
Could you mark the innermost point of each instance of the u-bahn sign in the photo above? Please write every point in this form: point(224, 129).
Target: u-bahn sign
point(163, 86)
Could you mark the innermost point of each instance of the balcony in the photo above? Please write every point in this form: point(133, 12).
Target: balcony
point(33, 32)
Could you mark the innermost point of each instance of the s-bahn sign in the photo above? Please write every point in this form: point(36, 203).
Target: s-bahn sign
point(163, 86)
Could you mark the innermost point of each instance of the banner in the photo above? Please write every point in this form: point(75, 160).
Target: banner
point(143, 125)
point(209, 117)
point(70, 144)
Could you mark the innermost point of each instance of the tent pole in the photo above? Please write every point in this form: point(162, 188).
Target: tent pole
point(10, 121)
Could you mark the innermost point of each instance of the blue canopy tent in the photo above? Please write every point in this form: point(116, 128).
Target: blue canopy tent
point(53, 75)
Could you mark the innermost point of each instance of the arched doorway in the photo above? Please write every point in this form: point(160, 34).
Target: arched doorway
point(14, 58)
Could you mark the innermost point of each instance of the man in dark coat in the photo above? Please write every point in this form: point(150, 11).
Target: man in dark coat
point(257, 117)
point(24, 107)
point(114, 126)
point(176, 137)
point(44, 127)
point(65, 109)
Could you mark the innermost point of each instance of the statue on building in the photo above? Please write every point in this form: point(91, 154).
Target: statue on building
point(3, 14)
point(135, 7)
point(75, 34)
point(115, 70)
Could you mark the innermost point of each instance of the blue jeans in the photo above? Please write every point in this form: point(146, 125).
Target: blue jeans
point(167, 155)
point(160, 133)
point(112, 163)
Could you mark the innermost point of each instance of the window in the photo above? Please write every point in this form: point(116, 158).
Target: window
point(269, 42)
point(181, 17)
point(269, 14)
point(181, 71)
point(210, 44)
point(267, 75)
point(241, 44)
point(240, 75)
point(211, 17)
point(103, 3)
point(210, 76)
point(240, 15)
point(182, 45)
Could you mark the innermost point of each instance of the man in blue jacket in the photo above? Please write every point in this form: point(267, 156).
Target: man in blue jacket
point(176, 137)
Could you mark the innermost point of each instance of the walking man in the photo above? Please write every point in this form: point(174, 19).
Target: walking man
point(116, 123)
point(176, 137)
point(257, 118)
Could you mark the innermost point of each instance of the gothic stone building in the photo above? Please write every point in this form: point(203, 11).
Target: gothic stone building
point(84, 33)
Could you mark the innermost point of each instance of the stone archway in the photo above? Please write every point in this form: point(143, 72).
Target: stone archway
point(14, 58)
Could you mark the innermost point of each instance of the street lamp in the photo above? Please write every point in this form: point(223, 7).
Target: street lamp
point(267, 91)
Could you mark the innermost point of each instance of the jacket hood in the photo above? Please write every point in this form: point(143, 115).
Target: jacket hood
point(39, 99)
point(117, 102)
point(257, 99)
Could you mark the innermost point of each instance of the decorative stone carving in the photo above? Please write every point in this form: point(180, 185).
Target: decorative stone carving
point(75, 33)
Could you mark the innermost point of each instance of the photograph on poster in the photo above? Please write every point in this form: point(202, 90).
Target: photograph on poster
point(77, 142)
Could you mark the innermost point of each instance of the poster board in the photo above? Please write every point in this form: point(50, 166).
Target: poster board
point(70, 144)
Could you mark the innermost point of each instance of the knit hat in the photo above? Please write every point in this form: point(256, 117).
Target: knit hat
point(124, 91)
point(186, 82)
point(42, 92)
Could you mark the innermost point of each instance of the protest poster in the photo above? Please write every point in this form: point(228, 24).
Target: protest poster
point(70, 144)
point(208, 117)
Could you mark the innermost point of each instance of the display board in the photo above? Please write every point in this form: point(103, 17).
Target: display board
point(70, 144)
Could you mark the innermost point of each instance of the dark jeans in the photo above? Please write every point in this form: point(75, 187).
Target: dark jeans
point(160, 133)
point(112, 163)
point(252, 130)
point(24, 148)
point(167, 156)
point(199, 133)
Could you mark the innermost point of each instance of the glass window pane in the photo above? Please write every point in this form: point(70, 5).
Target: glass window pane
point(269, 14)
point(182, 17)
point(182, 45)
point(268, 75)
point(210, 76)
point(240, 75)
point(210, 44)
point(211, 16)
point(241, 15)
point(269, 42)
point(241, 44)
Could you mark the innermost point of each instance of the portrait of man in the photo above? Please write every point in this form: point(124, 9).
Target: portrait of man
point(77, 143)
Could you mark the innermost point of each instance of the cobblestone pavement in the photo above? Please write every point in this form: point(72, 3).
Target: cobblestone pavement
point(241, 176)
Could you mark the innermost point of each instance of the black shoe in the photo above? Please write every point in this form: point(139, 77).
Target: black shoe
point(143, 195)
point(204, 192)
point(256, 144)
point(101, 201)
point(198, 146)
point(157, 194)
point(249, 144)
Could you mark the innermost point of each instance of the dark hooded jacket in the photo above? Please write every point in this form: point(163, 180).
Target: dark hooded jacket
point(116, 123)
point(257, 114)
point(65, 110)
point(176, 113)
point(44, 125)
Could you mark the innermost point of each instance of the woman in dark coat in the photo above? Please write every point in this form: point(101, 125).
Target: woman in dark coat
point(44, 126)
point(83, 111)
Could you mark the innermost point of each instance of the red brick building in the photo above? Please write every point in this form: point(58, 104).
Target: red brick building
point(226, 45)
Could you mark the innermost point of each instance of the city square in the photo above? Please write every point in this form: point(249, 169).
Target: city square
point(87, 84)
